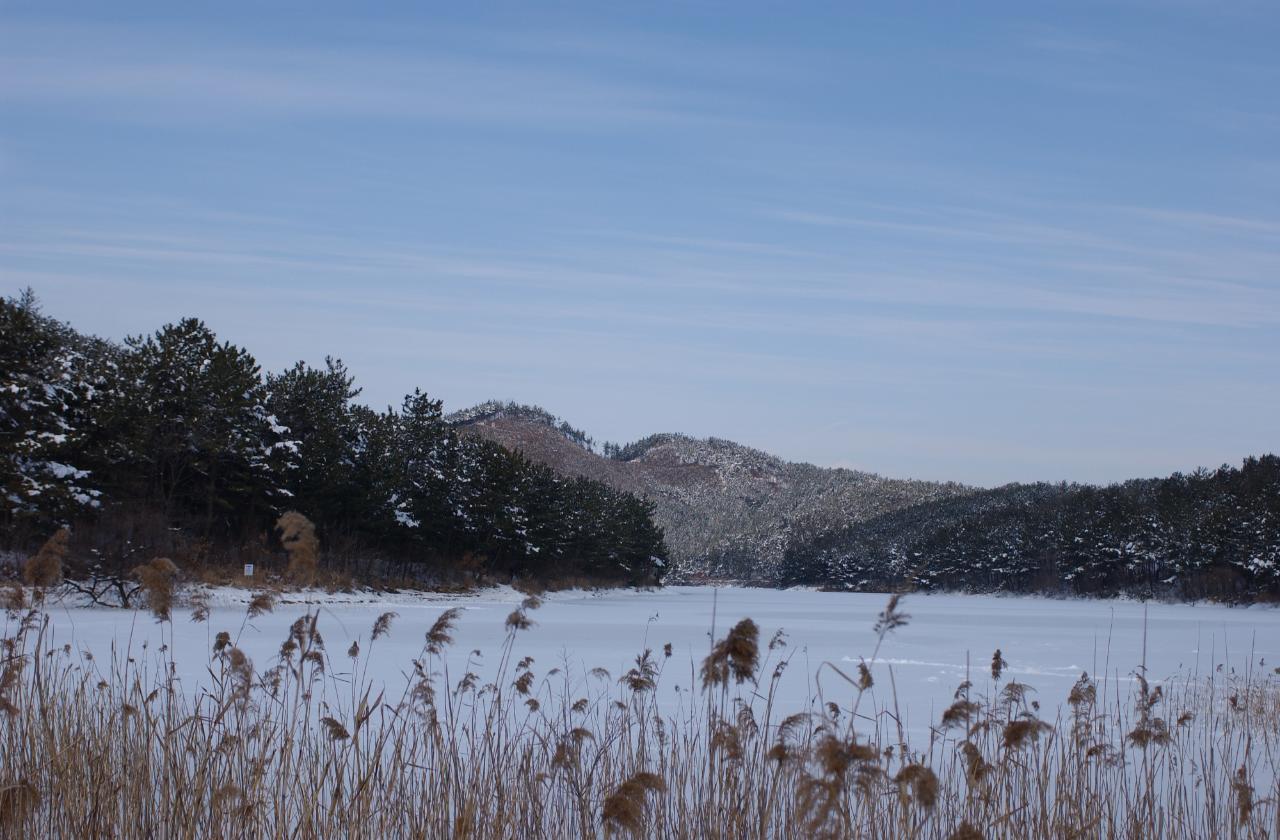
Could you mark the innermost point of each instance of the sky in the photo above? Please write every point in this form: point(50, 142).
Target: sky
point(977, 242)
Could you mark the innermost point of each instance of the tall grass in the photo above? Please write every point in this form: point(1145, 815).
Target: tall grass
point(308, 745)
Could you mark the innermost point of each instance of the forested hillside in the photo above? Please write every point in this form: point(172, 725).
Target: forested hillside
point(727, 510)
point(730, 511)
point(1210, 534)
point(175, 443)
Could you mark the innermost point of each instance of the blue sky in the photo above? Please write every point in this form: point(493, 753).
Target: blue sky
point(983, 242)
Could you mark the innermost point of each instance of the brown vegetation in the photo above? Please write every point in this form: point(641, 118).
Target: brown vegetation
point(298, 536)
point(307, 747)
point(44, 568)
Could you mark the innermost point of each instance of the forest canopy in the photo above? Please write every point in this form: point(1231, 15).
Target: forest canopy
point(176, 441)
point(1206, 534)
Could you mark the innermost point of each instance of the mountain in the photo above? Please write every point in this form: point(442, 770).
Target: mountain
point(730, 511)
point(727, 510)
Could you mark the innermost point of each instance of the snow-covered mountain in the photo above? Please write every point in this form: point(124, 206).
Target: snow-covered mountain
point(728, 510)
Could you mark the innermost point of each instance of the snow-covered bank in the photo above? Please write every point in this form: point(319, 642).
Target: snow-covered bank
point(1047, 643)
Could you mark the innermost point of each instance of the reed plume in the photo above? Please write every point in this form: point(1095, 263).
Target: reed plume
point(298, 536)
point(623, 809)
point(382, 626)
point(261, 602)
point(998, 664)
point(117, 750)
point(1242, 792)
point(44, 568)
point(736, 655)
point(919, 784)
point(199, 603)
point(891, 617)
point(157, 578)
point(440, 635)
point(965, 831)
point(13, 597)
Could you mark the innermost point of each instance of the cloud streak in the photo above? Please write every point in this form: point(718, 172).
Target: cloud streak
point(160, 78)
point(983, 231)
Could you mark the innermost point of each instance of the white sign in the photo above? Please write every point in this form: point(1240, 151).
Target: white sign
point(248, 570)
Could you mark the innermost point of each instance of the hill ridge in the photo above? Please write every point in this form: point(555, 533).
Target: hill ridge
point(728, 510)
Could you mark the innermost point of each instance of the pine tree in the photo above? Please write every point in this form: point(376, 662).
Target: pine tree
point(199, 438)
point(315, 406)
point(44, 394)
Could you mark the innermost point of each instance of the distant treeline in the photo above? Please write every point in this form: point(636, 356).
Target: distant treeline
point(1210, 534)
point(176, 437)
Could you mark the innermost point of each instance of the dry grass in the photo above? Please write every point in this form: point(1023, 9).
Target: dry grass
point(306, 746)
point(298, 536)
point(44, 568)
point(157, 580)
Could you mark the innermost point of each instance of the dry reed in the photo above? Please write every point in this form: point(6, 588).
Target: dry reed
point(44, 568)
point(298, 536)
point(307, 747)
point(157, 579)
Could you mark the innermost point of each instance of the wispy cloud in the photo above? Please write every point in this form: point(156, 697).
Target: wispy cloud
point(1113, 268)
point(1064, 41)
point(1195, 220)
point(992, 231)
point(157, 76)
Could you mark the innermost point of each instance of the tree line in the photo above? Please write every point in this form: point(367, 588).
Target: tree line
point(1207, 534)
point(177, 437)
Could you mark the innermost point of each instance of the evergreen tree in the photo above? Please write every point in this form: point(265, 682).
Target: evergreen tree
point(199, 439)
point(181, 433)
point(314, 404)
point(44, 394)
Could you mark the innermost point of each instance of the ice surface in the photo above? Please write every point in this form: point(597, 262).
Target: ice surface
point(1046, 642)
